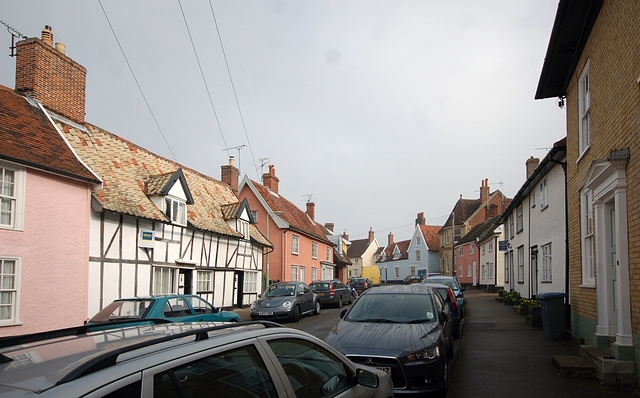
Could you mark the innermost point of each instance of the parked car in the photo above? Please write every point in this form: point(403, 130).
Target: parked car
point(285, 300)
point(454, 284)
point(174, 308)
point(249, 359)
point(449, 297)
point(361, 284)
point(405, 330)
point(332, 292)
point(412, 279)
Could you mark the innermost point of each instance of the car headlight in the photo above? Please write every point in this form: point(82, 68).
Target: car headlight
point(287, 304)
point(253, 305)
point(429, 353)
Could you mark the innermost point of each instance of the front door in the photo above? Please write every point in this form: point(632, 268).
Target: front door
point(238, 289)
point(185, 281)
point(534, 271)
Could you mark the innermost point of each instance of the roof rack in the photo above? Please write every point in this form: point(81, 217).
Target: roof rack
point(72, 331)
point(108, 359)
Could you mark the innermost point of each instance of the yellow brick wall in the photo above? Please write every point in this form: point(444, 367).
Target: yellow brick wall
point(613, 51)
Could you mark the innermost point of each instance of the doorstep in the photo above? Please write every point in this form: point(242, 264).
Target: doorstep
point(609, 371)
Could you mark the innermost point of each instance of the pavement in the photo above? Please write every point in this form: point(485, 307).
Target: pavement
point(501, 355)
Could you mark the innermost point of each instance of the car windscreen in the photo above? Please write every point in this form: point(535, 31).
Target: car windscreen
point(281, 290)
point(124, 309)
point(445, 281)
point(392, 308)
point(319, 286)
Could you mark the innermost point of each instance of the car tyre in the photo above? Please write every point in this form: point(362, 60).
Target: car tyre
point(445, 385)
point(316, 309)
point(339, 301)
point(296, 314)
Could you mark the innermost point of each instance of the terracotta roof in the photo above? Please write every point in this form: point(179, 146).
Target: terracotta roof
point(340, 259)
point(296, 218)
point(124, 167)
point(402, 246)
point(430, 233)
point(29, 138)
point(156, 184)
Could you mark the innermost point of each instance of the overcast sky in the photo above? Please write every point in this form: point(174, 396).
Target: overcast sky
point(378, 109)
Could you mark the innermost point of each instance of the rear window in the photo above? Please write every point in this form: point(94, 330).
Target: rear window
point(319, 286)
point(121, 310)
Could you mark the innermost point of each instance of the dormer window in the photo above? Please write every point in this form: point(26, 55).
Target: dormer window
point(170, 193)
point(176, 210)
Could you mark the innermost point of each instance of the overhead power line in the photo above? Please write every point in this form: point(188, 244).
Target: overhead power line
point(203, 78)
point(137, 83)
point(235, 94)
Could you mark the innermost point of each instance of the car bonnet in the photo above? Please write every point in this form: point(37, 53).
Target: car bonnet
point(273, 302)
point(389, 339)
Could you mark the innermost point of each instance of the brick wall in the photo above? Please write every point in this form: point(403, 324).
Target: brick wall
point(613, 51)
point(52, 78)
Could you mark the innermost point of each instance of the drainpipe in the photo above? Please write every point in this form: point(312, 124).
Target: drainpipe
point(566, 231)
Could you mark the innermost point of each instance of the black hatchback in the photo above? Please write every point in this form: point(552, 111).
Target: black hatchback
point(332, 292)
point(405, 330)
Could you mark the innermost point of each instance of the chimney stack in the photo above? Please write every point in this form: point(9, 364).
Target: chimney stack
point(421, 220)
point(270, 180)
point(311, 210)
point(230, 175)
point(370, 234)
point(49, 76)
point(532, 163)
point(345, 236)
point(390, 240)
point(484, 192)
point(329, 226)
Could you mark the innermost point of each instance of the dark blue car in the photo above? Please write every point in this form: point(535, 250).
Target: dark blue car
point(453, 283)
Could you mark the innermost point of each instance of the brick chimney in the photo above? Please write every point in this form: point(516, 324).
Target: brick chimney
point(421, 220)
point(492, 210)
point(270, 180)
point(390, 240)
point(484, 192)
point(345, 236)
point(311, 210)
point(329, 226)
point(532, 164)
point(230, 175)
point(46, 74)
point(370, 234)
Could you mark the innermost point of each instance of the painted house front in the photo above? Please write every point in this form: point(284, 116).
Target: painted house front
point(394, 260)
point(592, 66)
point(45, 199)
point(492, 275)
point(154, 226)
point(363, 253)
point(423, 249)
point(535, 228)
point(301, 249)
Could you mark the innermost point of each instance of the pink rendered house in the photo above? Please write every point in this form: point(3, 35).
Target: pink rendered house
point(45, 198)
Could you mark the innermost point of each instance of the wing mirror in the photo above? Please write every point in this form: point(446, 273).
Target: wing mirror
point(367, 379)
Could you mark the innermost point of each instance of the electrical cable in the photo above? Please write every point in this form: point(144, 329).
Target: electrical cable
point(136, 80)
point(235, 94)
point(203, 78)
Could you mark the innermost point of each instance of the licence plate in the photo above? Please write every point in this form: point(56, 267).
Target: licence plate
point(384, 369)
point(320, 293)
point(265, 313)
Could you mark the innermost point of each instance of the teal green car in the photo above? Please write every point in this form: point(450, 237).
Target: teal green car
point(163, 308)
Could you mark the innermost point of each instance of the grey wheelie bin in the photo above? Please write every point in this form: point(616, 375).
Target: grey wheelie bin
point(553, 322)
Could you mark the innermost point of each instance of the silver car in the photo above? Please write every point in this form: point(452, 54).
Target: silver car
point(250, 359)
point(285, 301)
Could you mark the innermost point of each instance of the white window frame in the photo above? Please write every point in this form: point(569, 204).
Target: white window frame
point(243, 228)
point(472, 248)
point(412, 270)
point(490, 271)
point(204, 281)
point(295, 244)
point(519, 219)
point(302, 273)
point(447, 262)
point(12, 196)
point(511, 228)
point(162, 289)
point(469, 270)
point(397, 269)
point(521, 264)
point(588, 238)
point(544, 195)
point(547, 265)
point(460, 251)
point(11, 291)
point(329, 253)
point(417, 241)
point(461, 271)
point(508, 258)
point(584, 110)
point(294, 273)
point(251, 282)
point(172, 204)
point(314, 250)
point(314, 274)
point(417, 255)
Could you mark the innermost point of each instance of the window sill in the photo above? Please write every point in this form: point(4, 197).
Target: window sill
point(587, 286)
point(3, 325)
point(583, 154)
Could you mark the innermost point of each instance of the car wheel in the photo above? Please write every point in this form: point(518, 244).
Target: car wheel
point(296, 314)
point(445, 381)
point(316, 310)
point(339, 301)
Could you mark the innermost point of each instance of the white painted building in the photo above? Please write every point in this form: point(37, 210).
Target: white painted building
point(535, 229)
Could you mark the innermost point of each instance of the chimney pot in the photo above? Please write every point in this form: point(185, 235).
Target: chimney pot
point(370, 234)
point(230, 175)
point(47, 36)
point(390, 240)
point(270, 180)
